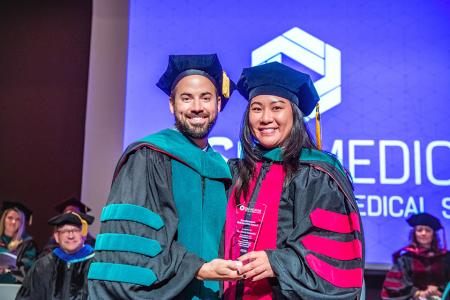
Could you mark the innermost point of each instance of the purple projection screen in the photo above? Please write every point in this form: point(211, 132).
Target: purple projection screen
point(382, 69)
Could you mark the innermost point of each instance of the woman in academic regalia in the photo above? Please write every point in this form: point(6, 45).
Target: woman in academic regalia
point(421, 270)
point(17, 248)
point(292, 219)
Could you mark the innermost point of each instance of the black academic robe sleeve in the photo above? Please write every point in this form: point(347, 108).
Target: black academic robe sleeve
point(26, 256)
point(319, 251)
point(144, 179)
point(398, 282)
point(402, 281)
point(37, 281)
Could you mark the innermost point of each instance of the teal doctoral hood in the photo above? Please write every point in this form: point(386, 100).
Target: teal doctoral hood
point(163, 220)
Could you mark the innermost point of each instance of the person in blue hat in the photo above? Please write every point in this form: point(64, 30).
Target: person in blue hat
point(62, 273)
point(162, 225)
point(292, 218)
point(420, 270)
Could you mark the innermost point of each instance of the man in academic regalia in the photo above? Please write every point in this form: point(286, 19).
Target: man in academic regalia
point(62, 274)
point(162, 225)
point(70, 205)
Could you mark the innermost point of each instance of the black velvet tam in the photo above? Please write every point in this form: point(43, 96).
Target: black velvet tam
point(13, 204)
point(72, 202)
point(70, 218)
point(425, 219)
point(207, 65)
point(279, 80)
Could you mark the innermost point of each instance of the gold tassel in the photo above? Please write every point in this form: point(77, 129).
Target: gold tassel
point(84, 224)
point(318, 129)
point(225, 85)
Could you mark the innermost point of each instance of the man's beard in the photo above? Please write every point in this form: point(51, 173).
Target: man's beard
point(195, 131)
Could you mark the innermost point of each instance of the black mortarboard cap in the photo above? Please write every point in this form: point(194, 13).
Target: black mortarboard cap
point(207, 65)
point(73, 218)
point(72, 202)
point(70, 218)
point(277, 79)
point(424, 219)
point(13, 204)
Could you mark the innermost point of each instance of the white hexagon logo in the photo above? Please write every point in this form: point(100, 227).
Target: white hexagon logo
point(312, 53)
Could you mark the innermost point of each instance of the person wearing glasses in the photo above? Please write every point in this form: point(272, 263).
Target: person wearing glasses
point(68, 205)
point(62, 274)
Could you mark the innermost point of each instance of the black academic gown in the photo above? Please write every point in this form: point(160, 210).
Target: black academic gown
point(319, 241)
point(26, 255)
point(414, 269)
point(143, 182)
point(52, 278)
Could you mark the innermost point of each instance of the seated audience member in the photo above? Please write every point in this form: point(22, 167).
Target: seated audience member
point(62, 274)
point(69, 205)
point(17, 248)
point(421, 270)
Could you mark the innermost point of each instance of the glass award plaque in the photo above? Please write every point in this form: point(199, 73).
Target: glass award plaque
point(248, 227)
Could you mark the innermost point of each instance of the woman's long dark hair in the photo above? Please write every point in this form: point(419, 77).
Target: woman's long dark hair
point(435, 243)
point(299, 138)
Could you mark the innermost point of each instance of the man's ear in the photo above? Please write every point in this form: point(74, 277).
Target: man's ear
point(219, 103)
point(56, 236)
point(171, 104)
